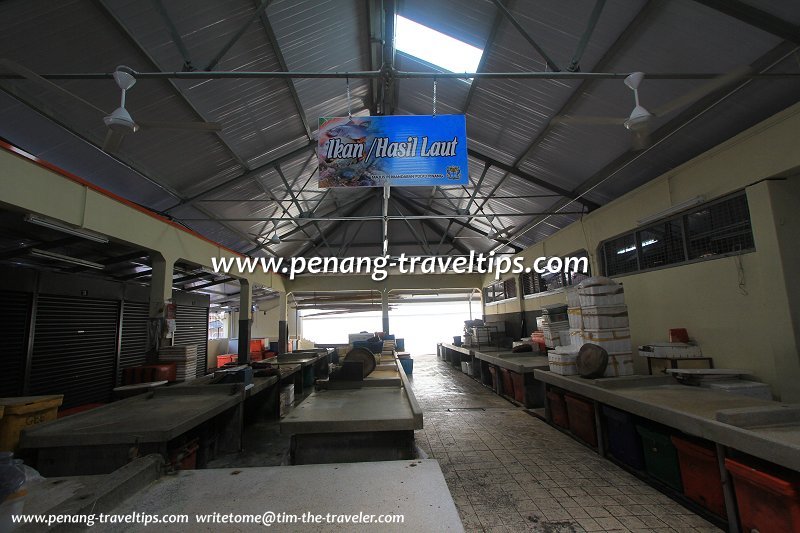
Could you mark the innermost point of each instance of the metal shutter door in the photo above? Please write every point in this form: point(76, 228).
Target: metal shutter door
point(15, 315)
point(74, 348)
point(133, 347)
point(192, 328)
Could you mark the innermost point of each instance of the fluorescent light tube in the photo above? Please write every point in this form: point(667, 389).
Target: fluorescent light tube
point(45, 254)
point(64, 228)
point(677, 208)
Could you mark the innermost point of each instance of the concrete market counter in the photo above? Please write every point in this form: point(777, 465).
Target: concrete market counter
point(488, 365)
point(693, 410)
point(103, 439)
point(371, 423)
point(414, 489)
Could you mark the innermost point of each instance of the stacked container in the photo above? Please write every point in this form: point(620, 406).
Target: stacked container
point(554, 321)
point(602, 318)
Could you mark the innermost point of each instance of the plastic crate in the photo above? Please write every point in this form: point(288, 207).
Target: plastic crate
point(623, 441)
point(700, 474)
point(558, 408)
point(408, 365)
point(660, 456)
point(225, 359)
point(768, 502)
point(508, 384)
point(147, 373)
point(493, 377)
point(519, 386)
point(22, 412)
point(581, 419)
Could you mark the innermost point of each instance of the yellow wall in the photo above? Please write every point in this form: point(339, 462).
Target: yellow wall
point(753, 328)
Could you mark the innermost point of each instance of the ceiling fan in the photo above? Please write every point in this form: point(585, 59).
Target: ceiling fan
point(640, 121)
point(500, 235)
point(119, 122)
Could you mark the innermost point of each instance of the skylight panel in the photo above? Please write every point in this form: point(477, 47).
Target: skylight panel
point(435, 47)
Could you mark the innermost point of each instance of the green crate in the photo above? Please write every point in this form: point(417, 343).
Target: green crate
point(660, 456)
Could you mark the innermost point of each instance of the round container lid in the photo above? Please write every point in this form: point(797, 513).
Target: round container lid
point(592, 361)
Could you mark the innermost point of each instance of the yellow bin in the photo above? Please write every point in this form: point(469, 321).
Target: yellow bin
point(22, 412)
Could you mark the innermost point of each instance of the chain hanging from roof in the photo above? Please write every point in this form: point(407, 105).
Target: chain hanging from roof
point(349, 106)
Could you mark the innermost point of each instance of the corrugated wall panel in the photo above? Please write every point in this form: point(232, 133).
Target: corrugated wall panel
point(74, 349)
point(15, 317)
point(192, 328)
point(134, 335)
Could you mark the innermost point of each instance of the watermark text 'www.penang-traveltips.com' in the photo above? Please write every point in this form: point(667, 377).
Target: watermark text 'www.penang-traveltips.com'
point(378, 267)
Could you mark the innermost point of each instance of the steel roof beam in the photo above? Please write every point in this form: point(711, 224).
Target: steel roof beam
point(622, 40)
point(238, 35)
point(123, 29)
point(575, 64)
point(490, 40)
point(282, 62)
point(757, 18)
point(516, 171)
point(550, 63)
point(388, 84)
point(175, 34)
point(767, 61)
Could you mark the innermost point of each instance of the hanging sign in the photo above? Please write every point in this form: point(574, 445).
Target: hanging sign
point(402, 151)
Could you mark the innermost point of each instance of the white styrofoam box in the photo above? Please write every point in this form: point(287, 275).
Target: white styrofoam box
point(612, 340)
point(464, 366)
point(604, 316)
point(615, 296)
point(754, 389)
point(575, 338)
point(573, 300)
point(563, 336)
point(673, 350)
point(574, 316)
point(566, 350)
point(564, 364)
point(620, 364)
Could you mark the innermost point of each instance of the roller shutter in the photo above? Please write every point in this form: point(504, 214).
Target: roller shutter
point(74, 348)
point(15, 315)
point(191, 325)
point(134, 335)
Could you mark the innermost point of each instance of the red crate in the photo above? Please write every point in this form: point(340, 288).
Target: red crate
point(768, 502)
point(700, 474)
point(493, 377)
point(519, 386)
point(257, 345)
point(581, 419)
point(148, 373)
point(79, 409)
point(508, 385)
point(224, 359)
point(558, 409)
point(185, 457)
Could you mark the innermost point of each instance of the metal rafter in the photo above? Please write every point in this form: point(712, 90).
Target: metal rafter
point(622, 40)
point(299, 208)
point(388, 85)
point(175, 34)
point(755, 17)
point(550, 63)
point(359, 203)
point(242, 177)
point(765, 62)
point(516, 171)
point(238, 35)
point(490, 41)
point(123, 29)
point(575, 63)
point(262, 13)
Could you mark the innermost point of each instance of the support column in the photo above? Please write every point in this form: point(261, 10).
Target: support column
point(283, 324)
point(158, 332)
point(245, 321)
point(385, 309)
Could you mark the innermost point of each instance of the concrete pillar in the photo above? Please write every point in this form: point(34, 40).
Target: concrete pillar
point(283, 324)
point(385, 309)
point(160, 297)
point(245, 320)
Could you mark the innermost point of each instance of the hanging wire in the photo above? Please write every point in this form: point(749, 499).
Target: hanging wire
point(349, 107)
point(434, 97)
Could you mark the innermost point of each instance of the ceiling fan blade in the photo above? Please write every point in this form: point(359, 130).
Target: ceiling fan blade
point(641, 137)
point(113, 141)
point(586, 119)
point(197, 126)
point(705, 89)
point(30, 75)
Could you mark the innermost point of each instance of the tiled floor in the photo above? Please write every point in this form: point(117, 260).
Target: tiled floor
point(510, 471)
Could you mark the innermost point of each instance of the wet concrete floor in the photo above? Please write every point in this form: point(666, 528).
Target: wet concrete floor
point(510, 471)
